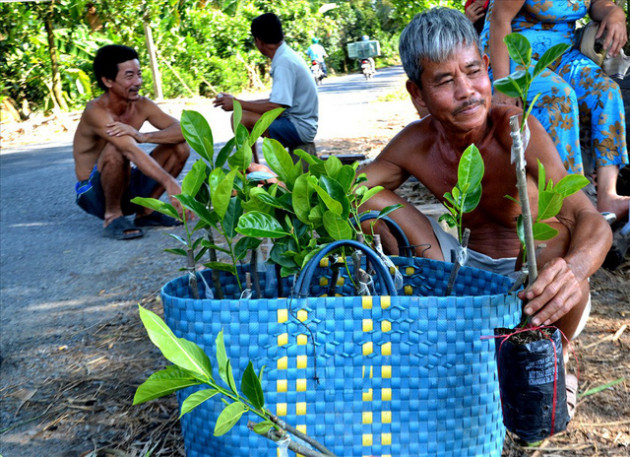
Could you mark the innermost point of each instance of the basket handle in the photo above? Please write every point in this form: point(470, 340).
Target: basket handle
point(404, 248)
point(306, 275)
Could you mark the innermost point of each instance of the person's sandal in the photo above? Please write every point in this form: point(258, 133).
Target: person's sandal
point(571, 384)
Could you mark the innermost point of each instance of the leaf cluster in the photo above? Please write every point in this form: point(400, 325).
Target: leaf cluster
point(466, 194)
point(192, 367)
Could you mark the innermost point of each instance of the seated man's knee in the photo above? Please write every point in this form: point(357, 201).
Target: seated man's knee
point(182, 151)
point(112, 157)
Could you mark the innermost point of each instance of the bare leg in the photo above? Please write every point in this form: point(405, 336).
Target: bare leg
point(172, 158)
point(415, 225)
point(114, 169)
point(607, 198)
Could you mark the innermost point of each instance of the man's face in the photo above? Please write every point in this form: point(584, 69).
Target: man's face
point(128, 80)
point(457, 92)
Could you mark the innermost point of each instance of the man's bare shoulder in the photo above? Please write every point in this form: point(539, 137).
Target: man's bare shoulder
point(413, 136)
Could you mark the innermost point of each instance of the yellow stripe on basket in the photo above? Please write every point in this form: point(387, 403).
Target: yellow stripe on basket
point(302, 340)
point(341, 281)
point(300, 408)
point(386, 349)
point(283, 339)
point(386, 371)
point(281, 385)
point(323, 281)
point(368, 325)
point(366, 302)
point(368, 348)
point(386, 326)
point(386, 301)
point(283, 363)
point(301, 361)
point(300, 385)
point(281, 409)
point(302, 315)
point(386, 394)
point(367, 439)
point(386, 417)
point(367, 417)
point(367, 396)
point(386, 439)
point(283, 315)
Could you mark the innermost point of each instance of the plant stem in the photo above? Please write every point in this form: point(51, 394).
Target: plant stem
point(192, 277)
point(316, 444)
point(254, 271)
point(212, 253)
point(521, 185)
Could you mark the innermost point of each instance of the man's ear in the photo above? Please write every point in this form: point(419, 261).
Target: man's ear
point(486, 60)
point(108, 82)
point(416, 94)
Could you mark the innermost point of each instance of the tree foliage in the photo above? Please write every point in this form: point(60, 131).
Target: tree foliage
point(203, 46)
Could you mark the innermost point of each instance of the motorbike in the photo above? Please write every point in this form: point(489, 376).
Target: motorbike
point(317, 72)
point(367, 68)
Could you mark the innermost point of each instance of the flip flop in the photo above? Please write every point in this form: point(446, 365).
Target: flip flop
point(571, 384)
point(122, 229)
point(156, 219)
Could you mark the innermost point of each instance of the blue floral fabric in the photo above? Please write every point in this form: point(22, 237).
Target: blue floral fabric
point(578, 100)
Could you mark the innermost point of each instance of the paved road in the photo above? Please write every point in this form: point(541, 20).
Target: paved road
point(56, 270)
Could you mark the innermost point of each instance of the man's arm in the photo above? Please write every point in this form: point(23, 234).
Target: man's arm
point(168, 128)
point(99, 119)
point(500, 26)
point(557, 289)
point(226, 102)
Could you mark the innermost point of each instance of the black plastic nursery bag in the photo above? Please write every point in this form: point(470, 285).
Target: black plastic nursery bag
point(532, 383)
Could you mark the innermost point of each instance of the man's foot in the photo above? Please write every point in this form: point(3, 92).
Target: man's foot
point(156, 219)
point(619, 204)
point(571, 383)
point(121, 229)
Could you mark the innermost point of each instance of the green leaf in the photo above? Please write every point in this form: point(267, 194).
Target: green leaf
point(370, 193)
point(333, 166)
point(307, 158)
point(336, 192)
point(244, 245)
point(263, 427)
point(263, 196)
point(197, 133)
point(332, 204)
point(277, 158)
point(221, 196)
point(571, 184)
point(549, 204)
point(179, 351)
point(197, 207)
point(542, 179)
point(471, 168)
point(196, 399)
point(389, 209)
point(157, 205)
point(237, 115)
point(519, 48)
point(278, 253)
point(261, 225)
point(242, 158)
point(472, 199)
point(520, 229)
point(508, 87)
point(449, 219)
point(222, 358)
point(164, 382)
point(224, 153)
point(251, 387)
point(232, 215)
point(195, 178)
point(263, 123)
point(550, 56)
point(543, 232)
point(300, 198)
point(228, 418)
point(337, 227)
point(216, 176)
point(220, 266)
point(176, 251)
point(345, 177)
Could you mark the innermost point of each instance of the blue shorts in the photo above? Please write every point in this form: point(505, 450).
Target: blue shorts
point(91, 198)
point(283, 130)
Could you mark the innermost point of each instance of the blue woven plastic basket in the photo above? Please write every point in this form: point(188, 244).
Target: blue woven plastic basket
point(398, 376)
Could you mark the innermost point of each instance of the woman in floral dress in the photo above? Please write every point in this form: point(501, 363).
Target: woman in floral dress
point(577, 98)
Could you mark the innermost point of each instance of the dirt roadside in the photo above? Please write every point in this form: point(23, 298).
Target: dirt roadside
point(73, 398)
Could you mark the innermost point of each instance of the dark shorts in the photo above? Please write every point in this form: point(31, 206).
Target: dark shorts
point(283, 130)
point(91, 199)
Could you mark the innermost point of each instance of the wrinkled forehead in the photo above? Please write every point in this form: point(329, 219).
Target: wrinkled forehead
point(462, 52)
point(129, 65)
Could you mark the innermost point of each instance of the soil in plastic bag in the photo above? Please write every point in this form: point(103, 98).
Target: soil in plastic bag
point(527, 369)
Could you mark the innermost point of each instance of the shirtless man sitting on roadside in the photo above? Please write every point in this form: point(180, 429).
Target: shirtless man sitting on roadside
point(106, 143)
point(448, 76)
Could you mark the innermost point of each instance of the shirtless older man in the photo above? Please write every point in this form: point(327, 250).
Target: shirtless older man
point(448, 77)
point(106, 143)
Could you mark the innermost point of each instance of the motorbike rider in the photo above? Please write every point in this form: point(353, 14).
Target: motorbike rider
point(370, 59)
point(317, 53)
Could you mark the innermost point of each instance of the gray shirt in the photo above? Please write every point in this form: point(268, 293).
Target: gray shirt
point(294, 87)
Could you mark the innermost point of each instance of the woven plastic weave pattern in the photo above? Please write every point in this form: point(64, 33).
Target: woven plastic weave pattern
point(398, 376)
